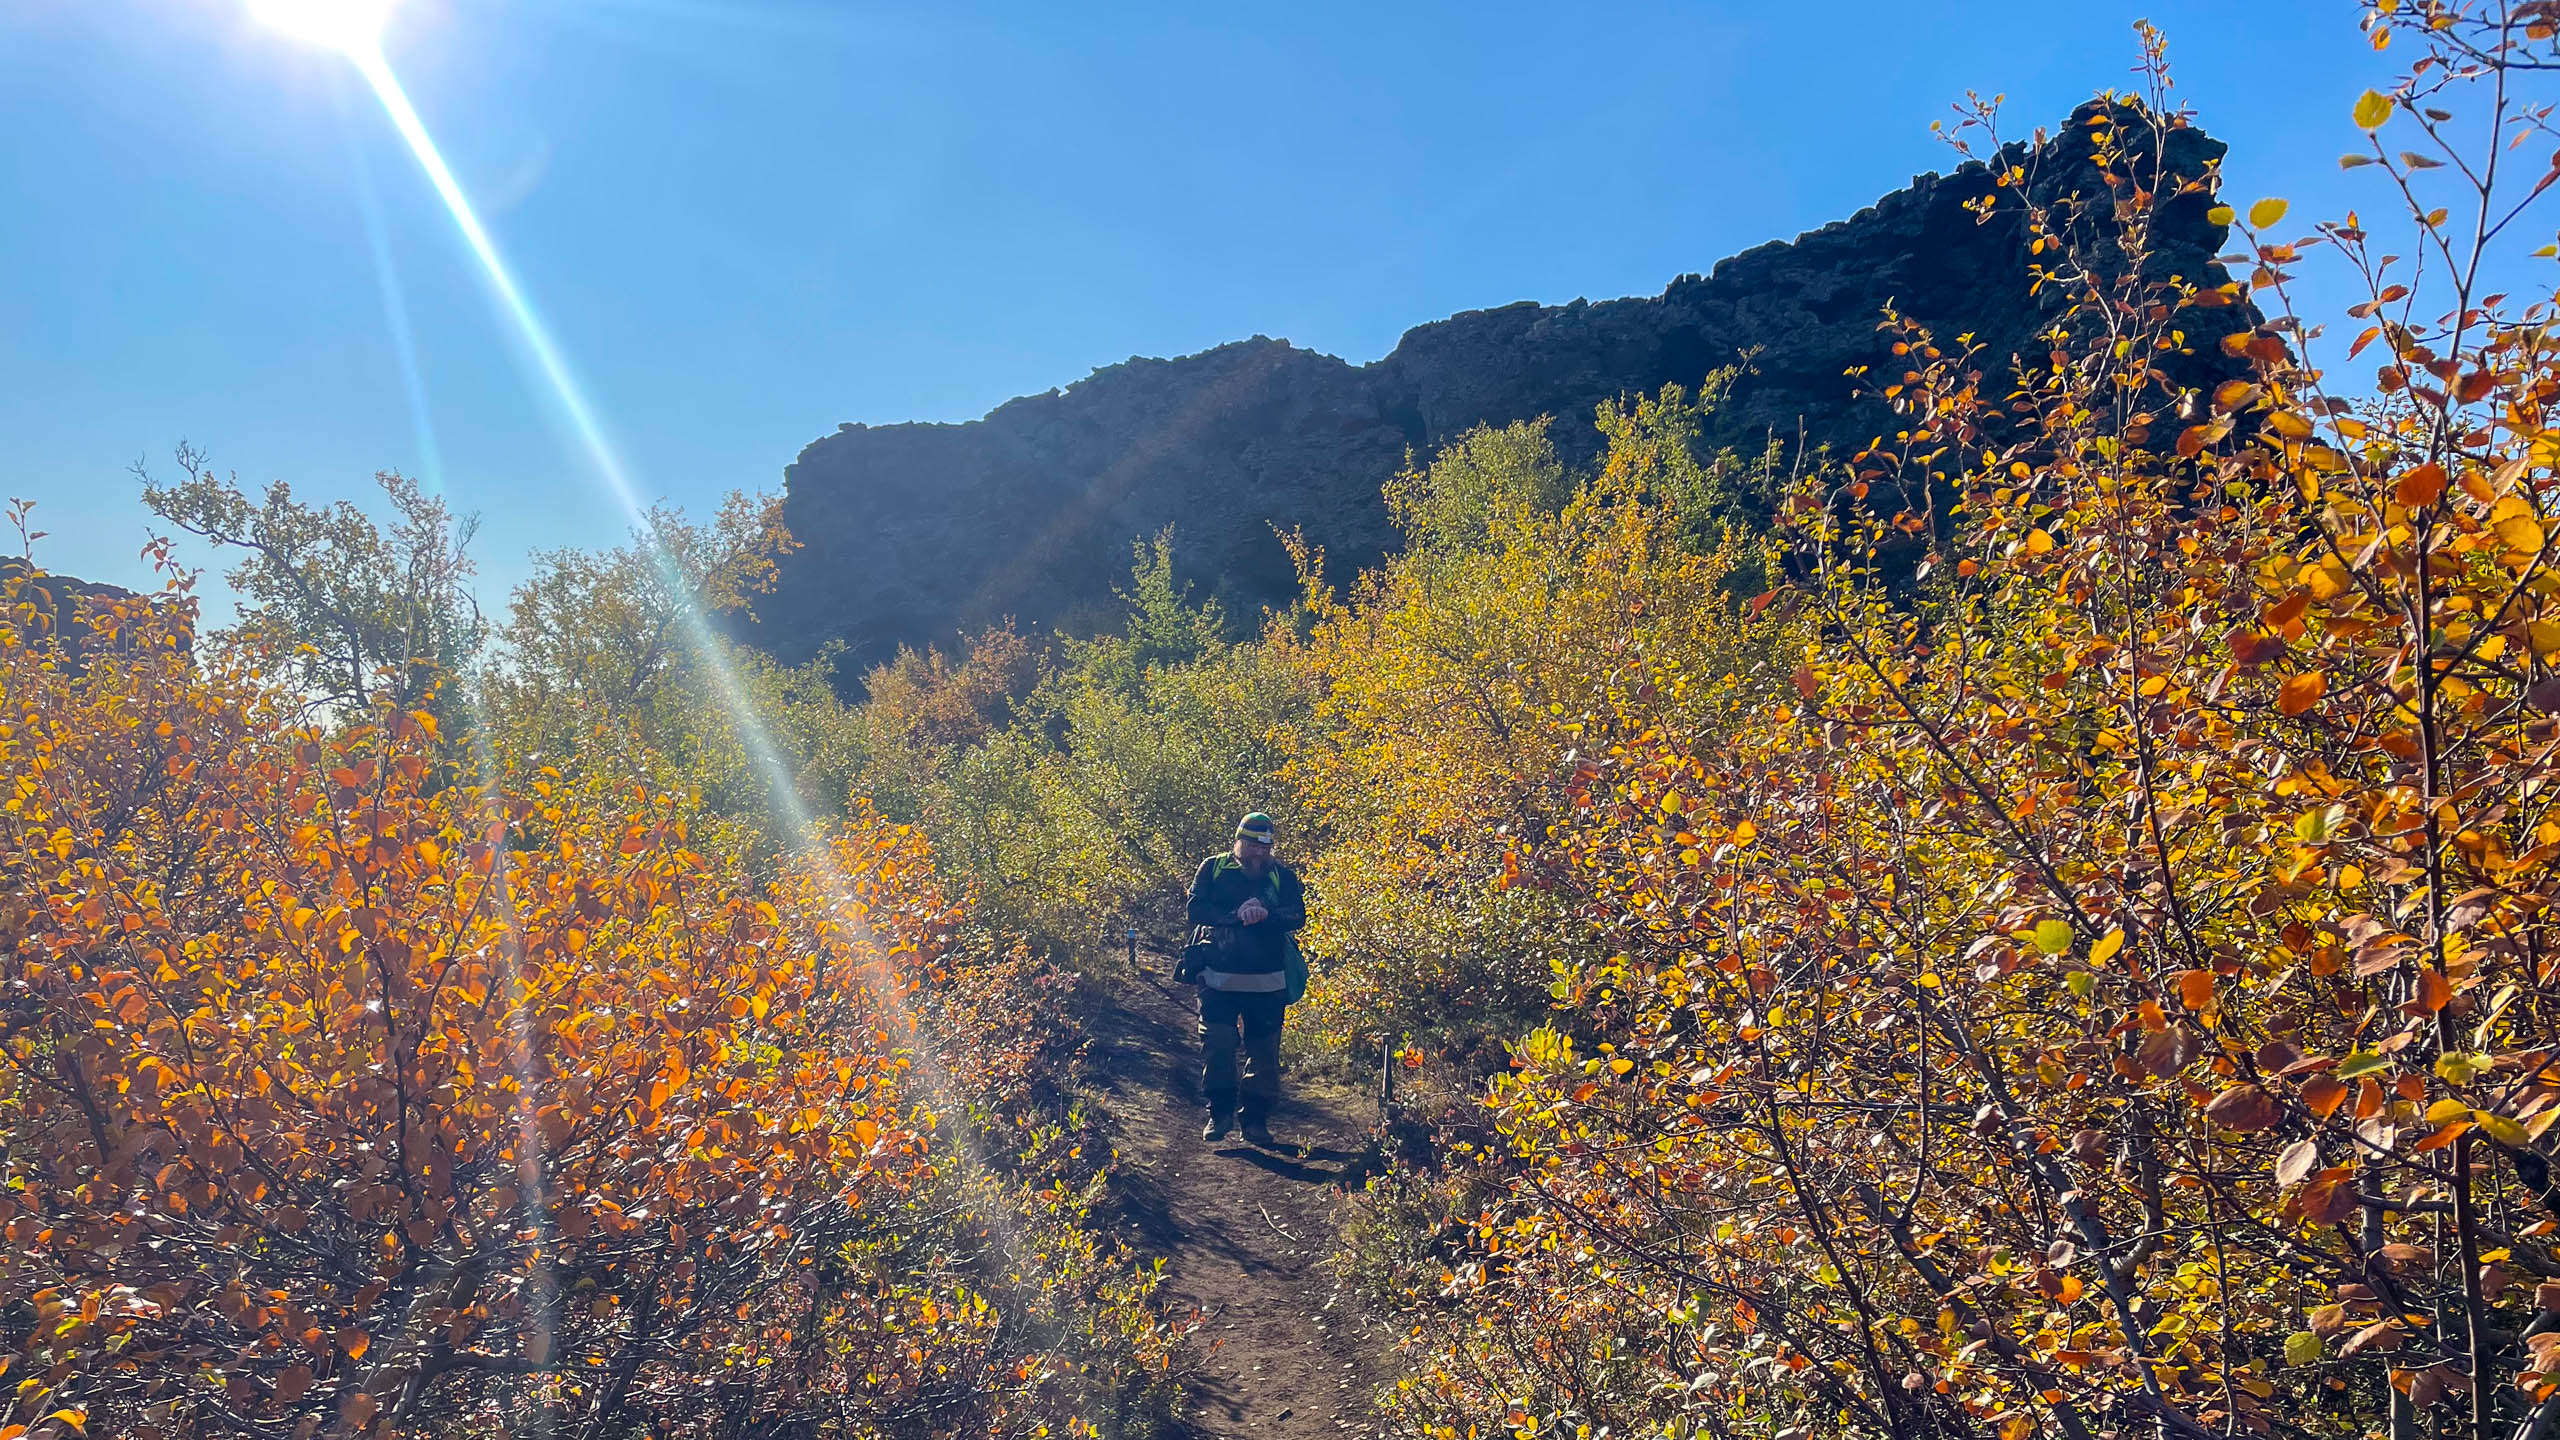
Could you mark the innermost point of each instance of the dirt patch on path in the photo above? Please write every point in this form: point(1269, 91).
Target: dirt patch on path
point(1244, 1232)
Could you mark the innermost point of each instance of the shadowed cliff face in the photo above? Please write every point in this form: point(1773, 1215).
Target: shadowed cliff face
point(914, 533)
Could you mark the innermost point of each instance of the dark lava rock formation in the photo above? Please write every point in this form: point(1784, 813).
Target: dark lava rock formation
point(914, 533)
point(59, 609)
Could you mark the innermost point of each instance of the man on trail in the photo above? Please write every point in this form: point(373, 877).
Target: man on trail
point(1244, 907)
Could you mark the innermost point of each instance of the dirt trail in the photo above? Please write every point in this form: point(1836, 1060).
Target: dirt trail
point(1244, 1232)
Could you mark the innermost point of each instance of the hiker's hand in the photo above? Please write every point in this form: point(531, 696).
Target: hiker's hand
point(1252, 912)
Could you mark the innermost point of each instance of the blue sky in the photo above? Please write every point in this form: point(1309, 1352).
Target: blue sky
point(748, 221)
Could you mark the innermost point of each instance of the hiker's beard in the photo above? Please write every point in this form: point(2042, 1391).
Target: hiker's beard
point(1255, 864)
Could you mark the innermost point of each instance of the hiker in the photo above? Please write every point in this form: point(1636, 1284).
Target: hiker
point(1244, 957)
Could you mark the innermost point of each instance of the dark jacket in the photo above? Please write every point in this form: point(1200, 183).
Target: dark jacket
point(1222, 887)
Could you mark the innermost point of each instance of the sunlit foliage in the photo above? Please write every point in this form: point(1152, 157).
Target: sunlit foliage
point(347, 612)
point(338, 1098)
point(2112, 989)
point(1439, 748)
point(1079, 787)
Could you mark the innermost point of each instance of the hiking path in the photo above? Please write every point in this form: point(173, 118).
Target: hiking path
point(1283, 1349)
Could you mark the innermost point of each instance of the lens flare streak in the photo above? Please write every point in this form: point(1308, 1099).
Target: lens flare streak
point(952, 1115)
point(546, 355)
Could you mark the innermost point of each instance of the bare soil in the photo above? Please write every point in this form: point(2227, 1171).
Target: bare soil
point(1283, 1350)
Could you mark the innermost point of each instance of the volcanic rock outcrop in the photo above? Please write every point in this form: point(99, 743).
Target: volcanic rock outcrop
point(914, 533)
point(60, 609)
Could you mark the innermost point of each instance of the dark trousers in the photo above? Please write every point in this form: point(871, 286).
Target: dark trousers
point(1231, 1021)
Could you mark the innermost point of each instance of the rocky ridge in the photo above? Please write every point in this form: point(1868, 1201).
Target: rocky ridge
point(915, 533)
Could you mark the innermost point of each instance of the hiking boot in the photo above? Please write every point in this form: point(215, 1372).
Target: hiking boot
point(1256, 1133)
point(1219, 1124)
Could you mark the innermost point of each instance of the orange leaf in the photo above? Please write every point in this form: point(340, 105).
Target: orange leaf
point(2302, 691)
point(2195, 988)
point(2434, 991)
point(2323, 1095)
point(2420, 486)
point(2232, 394)
point(2245, 1108)
point(2442, 1138)
point(2325, 1202)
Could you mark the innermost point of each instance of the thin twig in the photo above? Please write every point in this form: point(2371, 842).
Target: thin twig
point(1274, 1224)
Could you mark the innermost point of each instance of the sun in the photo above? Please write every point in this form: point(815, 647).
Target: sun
point(350, 25)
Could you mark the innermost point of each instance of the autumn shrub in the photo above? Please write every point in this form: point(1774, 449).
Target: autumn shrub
point(2112, 991)
point(1452, 684)
point(618, 661)
point(341, 1099)
point(1127, 759)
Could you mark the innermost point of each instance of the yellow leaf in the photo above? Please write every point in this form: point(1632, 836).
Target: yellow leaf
point(2106, 948)
point(2220, 215)
point(2501, 1129)
point(2445, 1112)
point(2038, 542)
point(2267, 212)
point(2373, 110)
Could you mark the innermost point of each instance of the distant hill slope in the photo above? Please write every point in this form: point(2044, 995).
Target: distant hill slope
point(916, 532)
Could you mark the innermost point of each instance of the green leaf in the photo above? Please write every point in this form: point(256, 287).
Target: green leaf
point(2302, 1348)
point(2314, 827)
point(2361, 1063)
point(2351, 162)
point(2267, 212)
point(2052, 936)
point(2082, 983)
point(2373, 110)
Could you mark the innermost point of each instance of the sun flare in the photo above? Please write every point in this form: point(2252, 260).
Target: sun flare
point(350, 25)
